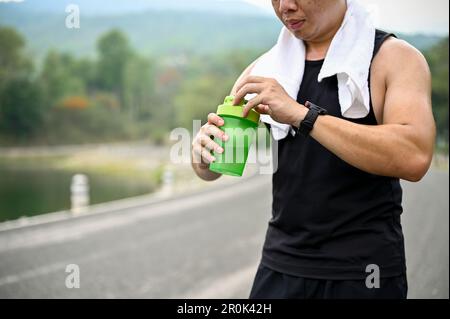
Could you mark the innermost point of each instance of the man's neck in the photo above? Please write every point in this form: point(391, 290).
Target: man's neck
point(317, 50)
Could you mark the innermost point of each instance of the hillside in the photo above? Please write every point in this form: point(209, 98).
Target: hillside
point(121, 7)
point(150, 32)
point(155, 32)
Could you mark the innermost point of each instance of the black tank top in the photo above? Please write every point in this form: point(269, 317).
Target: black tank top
point(331, 220)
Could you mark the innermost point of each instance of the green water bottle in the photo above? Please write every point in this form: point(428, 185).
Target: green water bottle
point(241, 132)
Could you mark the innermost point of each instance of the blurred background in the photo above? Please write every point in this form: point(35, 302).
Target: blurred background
point(85, 119)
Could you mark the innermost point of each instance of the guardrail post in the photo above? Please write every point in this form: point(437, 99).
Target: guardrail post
point(79, 193)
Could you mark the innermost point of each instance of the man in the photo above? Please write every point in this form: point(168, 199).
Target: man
point(336, 193)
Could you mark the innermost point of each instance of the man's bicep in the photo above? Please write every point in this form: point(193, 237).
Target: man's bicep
point(408, 89)
point(408, 98)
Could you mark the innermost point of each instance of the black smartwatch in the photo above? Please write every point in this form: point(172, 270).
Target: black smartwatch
point(306, 126)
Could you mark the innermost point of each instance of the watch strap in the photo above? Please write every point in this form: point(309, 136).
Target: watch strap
point(307, 125)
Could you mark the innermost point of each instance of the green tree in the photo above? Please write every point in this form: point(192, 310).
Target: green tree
point(84, 69)
point(114, 54)
point(138, 90)
point(13, 60)
point(20, 99)
point(21, 111)
point(58, 78)
point(438, 59)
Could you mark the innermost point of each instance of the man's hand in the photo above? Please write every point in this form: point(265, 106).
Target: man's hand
point(203, 143)
point(271, 99)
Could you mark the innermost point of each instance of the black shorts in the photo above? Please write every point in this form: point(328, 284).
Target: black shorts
point(270, 284)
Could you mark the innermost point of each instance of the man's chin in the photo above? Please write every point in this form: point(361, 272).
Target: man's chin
point(299, 35)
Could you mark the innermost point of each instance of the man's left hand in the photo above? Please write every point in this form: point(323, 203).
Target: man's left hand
point(271, 99)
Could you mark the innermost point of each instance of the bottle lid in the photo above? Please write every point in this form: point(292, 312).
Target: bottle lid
point(227, 108)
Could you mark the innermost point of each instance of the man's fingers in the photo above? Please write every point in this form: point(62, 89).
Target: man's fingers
point(215, 119)
point(210, 145)
point(248, 88)
point(257, 100)
point(201, 155)
point(250, 79)
point(197, 153)
point(262, 109)
point(207, 157)
point(216, 132)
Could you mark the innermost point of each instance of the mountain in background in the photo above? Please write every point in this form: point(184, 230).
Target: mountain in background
point(120, 7)
point(154, 27)
point(151, 32)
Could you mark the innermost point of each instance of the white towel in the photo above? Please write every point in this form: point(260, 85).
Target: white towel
point(349, 57)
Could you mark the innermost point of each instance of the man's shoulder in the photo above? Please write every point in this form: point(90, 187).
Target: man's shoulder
point(396, 55)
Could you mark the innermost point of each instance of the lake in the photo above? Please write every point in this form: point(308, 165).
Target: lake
point(34, 191)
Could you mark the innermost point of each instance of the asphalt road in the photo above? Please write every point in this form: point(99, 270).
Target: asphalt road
point(202, 246)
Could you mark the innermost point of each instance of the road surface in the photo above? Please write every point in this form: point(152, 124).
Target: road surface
point(201, 246)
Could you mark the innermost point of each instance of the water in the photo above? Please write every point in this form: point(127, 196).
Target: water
point(32, 191)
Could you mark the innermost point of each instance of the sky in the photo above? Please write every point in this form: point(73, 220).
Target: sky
point(408, 16)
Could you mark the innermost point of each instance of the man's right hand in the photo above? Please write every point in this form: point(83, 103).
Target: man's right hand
point(203, 143)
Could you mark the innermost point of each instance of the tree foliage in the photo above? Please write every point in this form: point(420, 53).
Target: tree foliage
point(437, 58)
point(123, 95)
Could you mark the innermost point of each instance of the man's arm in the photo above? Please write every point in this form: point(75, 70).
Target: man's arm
point(403, 145)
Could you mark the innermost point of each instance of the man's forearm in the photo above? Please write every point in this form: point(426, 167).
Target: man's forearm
point(387, 150)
